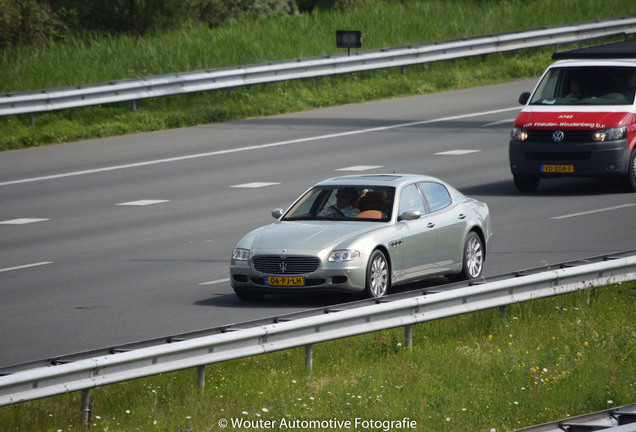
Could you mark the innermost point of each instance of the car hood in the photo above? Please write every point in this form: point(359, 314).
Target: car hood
point(309, 236)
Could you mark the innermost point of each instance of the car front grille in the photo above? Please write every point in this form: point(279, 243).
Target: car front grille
point(278, 265)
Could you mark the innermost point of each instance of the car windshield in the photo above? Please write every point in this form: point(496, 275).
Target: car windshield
point(353, 203)
point(586, 86)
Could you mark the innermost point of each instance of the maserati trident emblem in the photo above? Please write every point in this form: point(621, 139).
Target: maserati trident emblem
point(282, 266)
point(558, 136)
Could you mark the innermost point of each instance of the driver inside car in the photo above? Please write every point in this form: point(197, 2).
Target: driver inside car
point(343, 207)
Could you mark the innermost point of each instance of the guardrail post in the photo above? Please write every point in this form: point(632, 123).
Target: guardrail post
point(408, 336)
point(87, 407)
point(201, 376)
point(133, 106)
point(503, 311)
point(32, 119)
point(309, 361)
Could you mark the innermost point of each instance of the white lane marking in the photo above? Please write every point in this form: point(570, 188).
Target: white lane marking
point(592, 211)
point(457, 152)
point(142, 202)
point(214, 282)
point(22, 221)
point(26, 266)
point(510, 122)
point(253, 147)
point(254, 185)
point(360, 168)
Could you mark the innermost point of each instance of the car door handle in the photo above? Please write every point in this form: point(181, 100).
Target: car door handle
point(430, 225)
point(461, 216)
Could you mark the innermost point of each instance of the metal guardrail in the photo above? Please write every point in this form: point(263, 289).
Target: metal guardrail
point(239, 342)
point(213, 79)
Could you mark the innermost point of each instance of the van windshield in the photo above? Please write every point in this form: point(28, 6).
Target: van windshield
point(590, 85)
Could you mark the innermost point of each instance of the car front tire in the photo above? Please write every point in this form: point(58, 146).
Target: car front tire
point(378, 276)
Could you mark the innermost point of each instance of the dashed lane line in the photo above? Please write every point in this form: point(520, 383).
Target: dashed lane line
point(25, 266)
point(360, 168)
point(22, 221)
point(214, 282)
point(254, 185)
point(457, 152)
point(142, 202)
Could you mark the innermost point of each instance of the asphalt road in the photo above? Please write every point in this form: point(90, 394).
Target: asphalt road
point(118, 240)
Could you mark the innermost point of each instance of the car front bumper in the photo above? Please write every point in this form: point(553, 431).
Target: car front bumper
point(347, 277)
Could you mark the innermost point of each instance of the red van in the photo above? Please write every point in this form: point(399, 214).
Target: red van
point(580, 119)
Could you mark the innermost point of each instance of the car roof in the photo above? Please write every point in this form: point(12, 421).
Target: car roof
point(394, 180)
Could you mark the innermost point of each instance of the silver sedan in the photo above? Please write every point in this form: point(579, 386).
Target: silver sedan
point(364, 234)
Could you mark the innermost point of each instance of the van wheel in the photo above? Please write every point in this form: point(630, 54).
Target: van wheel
point(629, 181)
point(526, 183)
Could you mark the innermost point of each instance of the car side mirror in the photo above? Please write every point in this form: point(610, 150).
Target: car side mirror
point(277, 213)
point(410, 215)
point(523, 98)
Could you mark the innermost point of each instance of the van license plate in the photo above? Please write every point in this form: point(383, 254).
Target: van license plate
point(557, 168)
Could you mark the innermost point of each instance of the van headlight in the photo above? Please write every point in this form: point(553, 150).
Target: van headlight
point(518, 134)
point(611, 134)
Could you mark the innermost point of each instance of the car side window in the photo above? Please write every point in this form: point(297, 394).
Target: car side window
point(436, 195)
point(411, 199)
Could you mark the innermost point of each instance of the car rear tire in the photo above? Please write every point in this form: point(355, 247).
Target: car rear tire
point(472, 260)
point(629, 181)
point(249, 295)
point(378, 275)
point(526, 183)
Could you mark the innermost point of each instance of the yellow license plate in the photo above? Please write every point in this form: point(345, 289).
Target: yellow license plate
point(557, 168)
point(285, 280)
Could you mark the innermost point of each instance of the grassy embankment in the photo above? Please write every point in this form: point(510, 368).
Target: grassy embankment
point(551, 358)
point(384, 24)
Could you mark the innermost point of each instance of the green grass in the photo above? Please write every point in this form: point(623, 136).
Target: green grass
point(383, 24)
point(551, 358)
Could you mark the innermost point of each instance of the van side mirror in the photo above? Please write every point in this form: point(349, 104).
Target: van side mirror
point(523, 98)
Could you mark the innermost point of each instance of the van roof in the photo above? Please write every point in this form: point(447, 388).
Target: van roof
point(625, 49)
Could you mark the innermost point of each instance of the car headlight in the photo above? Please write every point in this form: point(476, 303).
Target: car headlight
point(612, 134)
point(518, 134)
point(241, 254)
point(343, 255)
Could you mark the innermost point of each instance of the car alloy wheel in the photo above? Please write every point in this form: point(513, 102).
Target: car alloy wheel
point(473, 256)
point(377, 275)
